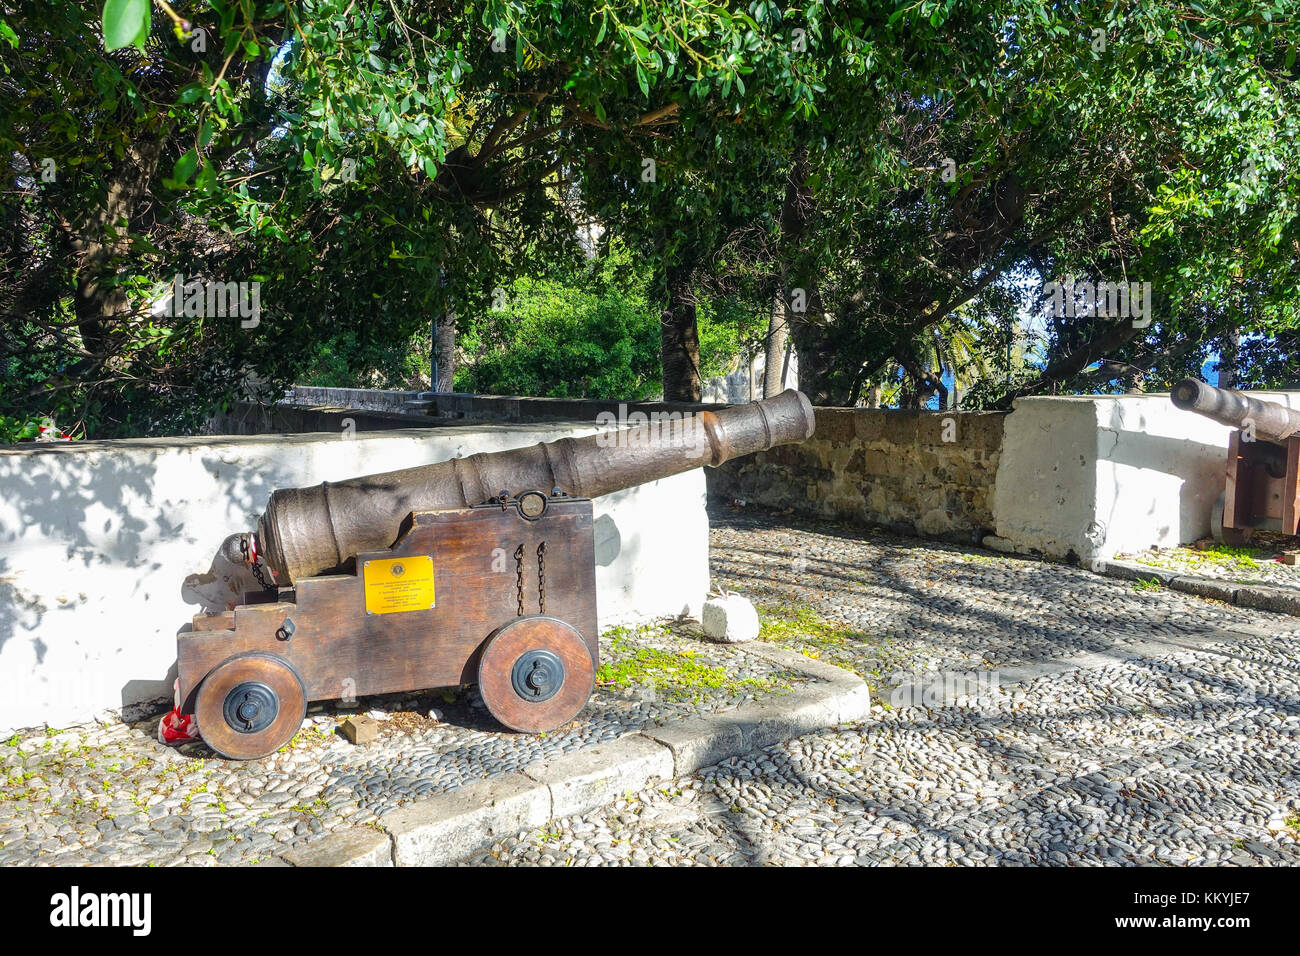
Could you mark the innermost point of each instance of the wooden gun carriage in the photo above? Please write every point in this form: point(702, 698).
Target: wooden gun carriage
point(423, 578)
point(1262, 479)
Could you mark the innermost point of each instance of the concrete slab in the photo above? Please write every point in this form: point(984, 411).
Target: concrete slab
point(698, 743)
point(446, 827)
point(595, 776)
point(1281, 600)
point(1207, 588)
point(1129, 571)
point(1260, 596)
point(360, 846)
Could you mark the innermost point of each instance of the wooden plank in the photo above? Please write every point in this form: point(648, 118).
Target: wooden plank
point(225, 621)
point(1231, 507)
point(1291, 487)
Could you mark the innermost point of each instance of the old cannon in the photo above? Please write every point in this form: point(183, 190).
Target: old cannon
point(476, 570)
point(1262, 490)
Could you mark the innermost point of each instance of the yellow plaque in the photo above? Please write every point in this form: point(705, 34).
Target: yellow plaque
point(399, 584)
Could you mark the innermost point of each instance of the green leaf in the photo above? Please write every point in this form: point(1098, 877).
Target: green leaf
point(207, 177)
point(7, 32)
point(126, 23)
point(185, 167)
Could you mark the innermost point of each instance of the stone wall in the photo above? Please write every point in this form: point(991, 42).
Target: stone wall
point(928, 473)
point(369, 399)
point(245, 418)
point(515, 408)
point(1073, 477)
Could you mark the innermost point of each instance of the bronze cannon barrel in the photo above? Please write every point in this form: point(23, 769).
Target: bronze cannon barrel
point(307, 531)
point(1270, 421)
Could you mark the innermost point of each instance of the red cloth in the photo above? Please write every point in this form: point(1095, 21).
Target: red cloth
point(176, 728)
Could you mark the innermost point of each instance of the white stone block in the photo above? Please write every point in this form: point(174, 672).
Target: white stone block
point(731, 619)
point(1100, 475)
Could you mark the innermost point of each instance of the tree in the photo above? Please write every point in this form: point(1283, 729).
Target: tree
point(885, 170)
point(1028, 139)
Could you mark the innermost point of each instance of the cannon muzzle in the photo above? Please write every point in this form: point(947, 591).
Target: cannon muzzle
point(307, 531)
point(1270, 421)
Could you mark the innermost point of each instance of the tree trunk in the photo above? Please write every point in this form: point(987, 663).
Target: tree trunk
point(1072, 363)
point(98, 302)
point(443, 365)
point(1229, 356)
point(778, 334)
point(815, 357)
point(806, 325)
point(925, 383)
point(679, 340)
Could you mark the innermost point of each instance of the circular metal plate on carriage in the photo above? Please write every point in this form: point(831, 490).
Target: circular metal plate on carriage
point(250, 705)
point(537, 676)
point(532, 504)
point(536, 673)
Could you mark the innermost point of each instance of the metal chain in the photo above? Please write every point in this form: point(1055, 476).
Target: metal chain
point(541, 576)
point(266, 585)
point(519, 578)
point(255, 566)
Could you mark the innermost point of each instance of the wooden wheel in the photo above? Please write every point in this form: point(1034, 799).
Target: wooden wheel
point(250, 705)
point(535, 673)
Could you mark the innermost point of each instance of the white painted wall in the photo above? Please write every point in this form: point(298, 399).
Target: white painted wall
point(734, 387)
point(1103, 474)
point(96, 538)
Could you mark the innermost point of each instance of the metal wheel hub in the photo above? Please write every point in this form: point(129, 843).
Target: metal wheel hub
point(250, 707)
point(537, 675)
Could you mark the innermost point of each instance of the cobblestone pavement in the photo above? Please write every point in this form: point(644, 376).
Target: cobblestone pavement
point(1123, 726)
point(1253, 564)
point(112, 794)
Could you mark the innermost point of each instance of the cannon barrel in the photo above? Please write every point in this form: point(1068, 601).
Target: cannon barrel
point(1271, 421)
point(307, 531)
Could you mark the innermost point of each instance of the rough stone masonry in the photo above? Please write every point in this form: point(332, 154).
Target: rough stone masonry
point(928, 473)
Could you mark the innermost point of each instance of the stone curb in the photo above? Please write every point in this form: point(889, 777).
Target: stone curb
point(1262, 597)
point(447, 827)
point(356, 846)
